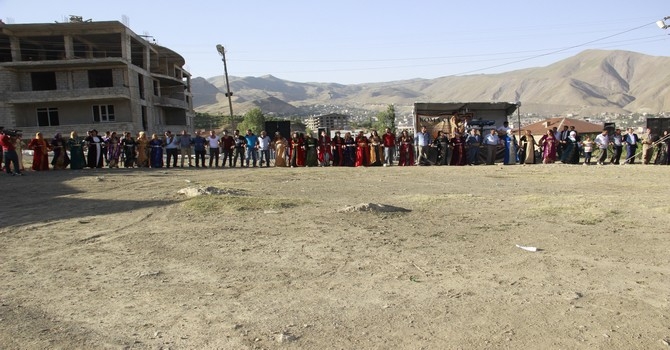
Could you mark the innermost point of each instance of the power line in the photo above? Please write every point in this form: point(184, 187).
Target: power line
point(557, 51)
point(515, 61)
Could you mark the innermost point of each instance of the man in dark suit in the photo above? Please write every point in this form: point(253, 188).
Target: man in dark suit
point(563, 140)
point(630, 140)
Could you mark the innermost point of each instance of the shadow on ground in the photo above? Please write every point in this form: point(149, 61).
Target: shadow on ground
point(39, 197)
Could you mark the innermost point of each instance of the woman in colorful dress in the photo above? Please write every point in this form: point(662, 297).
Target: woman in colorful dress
point(142, 150)
point(349, 150)
point(95, 156)
point(279, 145)
point(376, 149)
point(458, 155)
point(74, 144)
point(60, 160)
point(527, 148)
point(406, 151)
point(325, 152)
point(156, 153)
point(18, 145)
point(113, 150)
point(338, 149)
point(548, 145)
point(362, 150)
point(510, 155)
point(40, 150)
point(296, 151)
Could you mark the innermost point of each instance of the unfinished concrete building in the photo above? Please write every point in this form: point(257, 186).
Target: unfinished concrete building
point(333, 121)
point(60, 77)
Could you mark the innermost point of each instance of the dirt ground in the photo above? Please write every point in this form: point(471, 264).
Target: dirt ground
point(117, 259)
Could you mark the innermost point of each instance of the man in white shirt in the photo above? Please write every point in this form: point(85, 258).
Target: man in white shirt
point(171, 149)
point(264, 148)
point(491, 141)
point(602, 141)
point(504, 129)
point(422, 142)
point(213, 141)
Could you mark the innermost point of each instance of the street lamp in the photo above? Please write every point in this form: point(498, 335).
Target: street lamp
point(661, 23)
point(229, 94)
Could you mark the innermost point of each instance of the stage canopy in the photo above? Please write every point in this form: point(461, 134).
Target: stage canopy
point(442, 116)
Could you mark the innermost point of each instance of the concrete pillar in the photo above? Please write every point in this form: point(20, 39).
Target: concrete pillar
point(125, 47)
point(147, 59)
point(15, 45)
point(69, 47)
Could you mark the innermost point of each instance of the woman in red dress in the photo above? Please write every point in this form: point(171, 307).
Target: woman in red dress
point(296, 151)
point(40, 152)
point(458, 156)
point(406, 150)
point(324, 149)
point(362, 150)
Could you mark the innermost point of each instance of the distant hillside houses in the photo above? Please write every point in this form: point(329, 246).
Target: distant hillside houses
point(594, 84)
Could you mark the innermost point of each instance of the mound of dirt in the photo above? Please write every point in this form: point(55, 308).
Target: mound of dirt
point(373, 207)
point(209, 190)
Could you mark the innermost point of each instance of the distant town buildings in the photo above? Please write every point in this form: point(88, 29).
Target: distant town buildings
point(81, 75)
point(332, 121)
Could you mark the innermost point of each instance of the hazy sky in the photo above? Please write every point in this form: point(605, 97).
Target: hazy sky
point(349, 41)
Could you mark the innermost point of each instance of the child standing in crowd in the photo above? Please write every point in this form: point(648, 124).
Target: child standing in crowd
point(588, 150)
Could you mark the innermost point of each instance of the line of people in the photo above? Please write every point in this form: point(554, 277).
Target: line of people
point(568, 147)
point(113, 151)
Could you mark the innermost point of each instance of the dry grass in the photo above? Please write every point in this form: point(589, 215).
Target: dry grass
point(207, 204)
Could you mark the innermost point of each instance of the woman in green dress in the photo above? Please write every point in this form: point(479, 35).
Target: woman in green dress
point(74, 145)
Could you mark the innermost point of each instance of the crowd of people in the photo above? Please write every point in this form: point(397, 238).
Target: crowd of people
point(250, 150)
point(569, 147)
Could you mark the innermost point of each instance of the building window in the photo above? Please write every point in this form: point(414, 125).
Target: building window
point(140, 85)
point(43, 80)
point(47, 117)
point(103, 113)
point(144, 118)
point(98, 78)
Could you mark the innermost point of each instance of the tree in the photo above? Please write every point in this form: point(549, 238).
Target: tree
point(386, 119)
point(254, 120)
point(207, 121)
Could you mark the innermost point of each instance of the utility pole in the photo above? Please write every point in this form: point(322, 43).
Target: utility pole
point(518, 115)
point(229, 94)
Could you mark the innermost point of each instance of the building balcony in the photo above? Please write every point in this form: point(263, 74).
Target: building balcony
point(66, 63)
point(112, 93)
point(164, 101)
point(167, 79)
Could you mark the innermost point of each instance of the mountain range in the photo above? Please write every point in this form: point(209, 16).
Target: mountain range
point(589, 83)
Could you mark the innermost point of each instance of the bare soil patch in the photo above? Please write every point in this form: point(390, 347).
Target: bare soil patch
point(119, 259)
